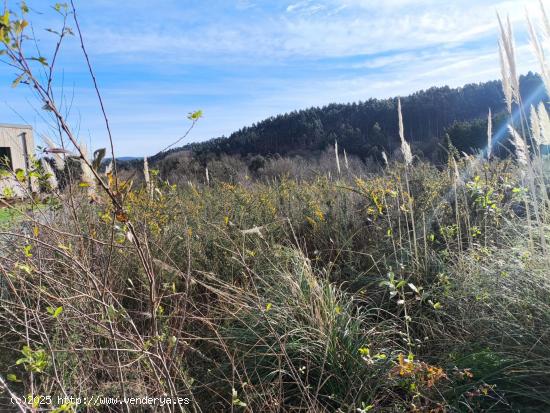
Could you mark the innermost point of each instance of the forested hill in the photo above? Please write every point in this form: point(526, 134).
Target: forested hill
point(365, 128)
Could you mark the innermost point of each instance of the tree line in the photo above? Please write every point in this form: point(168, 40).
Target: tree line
point(432, 117)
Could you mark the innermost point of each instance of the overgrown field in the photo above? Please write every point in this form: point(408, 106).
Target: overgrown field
point(335, 285)
point(316, 295)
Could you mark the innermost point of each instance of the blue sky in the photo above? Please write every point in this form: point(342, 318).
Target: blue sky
point(241, 61)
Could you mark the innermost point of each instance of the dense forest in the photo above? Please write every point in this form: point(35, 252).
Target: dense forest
point(365, 129)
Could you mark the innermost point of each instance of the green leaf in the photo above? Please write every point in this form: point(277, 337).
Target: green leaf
point(54, 312)
point(13, 378)
point(26, 350)
point(60, 6)
point(20, 175)
point(27, 250)
point(57, 312)
point(112, 312)
point(40, 59)
point(8, 193)
point(365, 408)
point(194, 116)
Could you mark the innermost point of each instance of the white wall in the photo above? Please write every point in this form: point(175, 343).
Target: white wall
point(19, 138)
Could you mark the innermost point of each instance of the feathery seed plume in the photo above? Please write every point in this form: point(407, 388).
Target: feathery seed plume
point(87, 177)
point(254, 231)
point(504, 72)
point(520, 145)
point(539, 53)
point(346, 160)
point(535, 126)
point(385, 158)
point(544, 120)
point(489, 134)
point(510, 78)
point(50, 174)
point(337, 158)
point(455, 170)
point(58, 153)
point(545, 20)
point(405, 147)
point(147, 176)
point(109, 168)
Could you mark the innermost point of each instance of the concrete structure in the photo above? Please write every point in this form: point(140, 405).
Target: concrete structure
point(16, 145)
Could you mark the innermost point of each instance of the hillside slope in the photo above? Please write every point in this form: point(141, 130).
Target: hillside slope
point(366, 128)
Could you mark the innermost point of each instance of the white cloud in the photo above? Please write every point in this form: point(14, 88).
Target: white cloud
point(294, 6)
point(307, 7)
point(310, 29)
point(245, 4)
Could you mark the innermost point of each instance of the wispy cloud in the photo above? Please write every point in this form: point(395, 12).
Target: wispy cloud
point(307, 7)
point(308, 28)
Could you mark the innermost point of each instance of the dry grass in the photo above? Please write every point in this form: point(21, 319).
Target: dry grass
point(410, 288)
